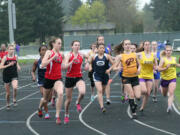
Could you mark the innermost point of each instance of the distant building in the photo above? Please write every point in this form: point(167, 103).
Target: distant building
point(74, 30)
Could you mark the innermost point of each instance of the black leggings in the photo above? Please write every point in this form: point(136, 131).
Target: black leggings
point(90, 75)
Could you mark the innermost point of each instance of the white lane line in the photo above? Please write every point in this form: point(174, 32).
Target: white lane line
point(18, 88)
point(149, 126)
point(84, 123)
point(28, 121)
point(21, 99)
point(175, 109)
point(25, 85)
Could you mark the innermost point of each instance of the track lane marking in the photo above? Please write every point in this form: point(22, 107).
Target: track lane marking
point(147, 125)
point(175, 109)
point(84, 123)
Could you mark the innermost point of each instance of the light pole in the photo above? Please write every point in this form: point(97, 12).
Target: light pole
point(12, 20)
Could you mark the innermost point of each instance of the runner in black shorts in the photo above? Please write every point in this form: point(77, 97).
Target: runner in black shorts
point(131, 69)
point(134, 81)
point(10, 75)
point(100, 64)
point(73, 63)
point(53, 77)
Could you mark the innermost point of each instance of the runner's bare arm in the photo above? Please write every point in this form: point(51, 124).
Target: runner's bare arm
point(160, 67)
point(2, 66)
point(34, 67)
point(63, 61)
point(177, 65)
point(139, 67)
point(117, 63)
point(155, 63)
point(18, 66)
point(110, 59)
point(90, 60)
point(46, 60)
point(66, 61)
point(112, 64)
point(86, 56)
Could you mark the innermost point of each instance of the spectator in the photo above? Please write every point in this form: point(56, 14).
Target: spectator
point(3, 51)
point(17, 49)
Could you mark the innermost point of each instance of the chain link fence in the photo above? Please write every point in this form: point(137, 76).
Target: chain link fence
point(87, 40)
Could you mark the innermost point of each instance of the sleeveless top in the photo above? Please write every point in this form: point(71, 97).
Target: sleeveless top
point(147, 66)
point(75, 69)
point(53, 70)
point(129, 63)
point(170, 73)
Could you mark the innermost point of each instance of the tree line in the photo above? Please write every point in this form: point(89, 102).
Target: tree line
point(39, 19)
point(36, 19)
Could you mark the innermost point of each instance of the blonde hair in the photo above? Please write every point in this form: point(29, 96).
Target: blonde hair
point(11, 45)
point(163, 53)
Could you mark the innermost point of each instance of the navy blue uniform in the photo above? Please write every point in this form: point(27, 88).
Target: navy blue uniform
point(100, 66)
point(40, 73)
point(157, 74)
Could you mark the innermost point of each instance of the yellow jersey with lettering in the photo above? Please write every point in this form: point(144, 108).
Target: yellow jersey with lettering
point(146, 66)
point(129, 63)
point(169, 73)
point(91, 53)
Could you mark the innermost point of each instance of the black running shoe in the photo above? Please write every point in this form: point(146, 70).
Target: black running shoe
point(108, 101)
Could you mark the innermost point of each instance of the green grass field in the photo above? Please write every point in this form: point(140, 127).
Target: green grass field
point(26, 62)
point(177, 91)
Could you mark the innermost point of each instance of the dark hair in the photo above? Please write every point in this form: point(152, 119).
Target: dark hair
point(93, 44)
point(42, 47)
point(141, 48)
point(53, 40)
point(74, 42)
point(119, 48)
point(99, 37)
point(134, 44)
point(100, 45)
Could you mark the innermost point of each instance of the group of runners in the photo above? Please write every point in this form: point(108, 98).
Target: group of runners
point(141, 69)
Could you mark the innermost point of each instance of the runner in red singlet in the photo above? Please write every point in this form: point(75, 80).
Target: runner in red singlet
point(3, 51)
point(53, 78)
point(74, 78)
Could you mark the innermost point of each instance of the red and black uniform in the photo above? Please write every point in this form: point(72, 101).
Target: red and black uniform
point(74, 73)
point(10, 73)
point(2, 54)
point(53, 71)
